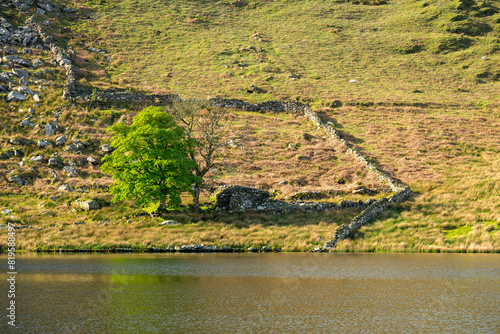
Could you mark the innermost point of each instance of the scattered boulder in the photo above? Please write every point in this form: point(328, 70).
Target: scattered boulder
point(60, 140)
point(14, 141)
point(71, 147)
point(169, 223)
point(15, 97)
point(7, 212)
point(55, 160)
point(38, 158)
point(20, 73)
point(42, 143)
point(70, 171)
point(65, 187)
point(49, 130)
point(91, 160)
point(106, 148)
point(253, 89)
point(87, 205)
point(25, 90)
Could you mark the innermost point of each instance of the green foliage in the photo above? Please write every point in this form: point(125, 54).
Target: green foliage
point(150, 162)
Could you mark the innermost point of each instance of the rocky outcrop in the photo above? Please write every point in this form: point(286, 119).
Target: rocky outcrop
point(87, 205)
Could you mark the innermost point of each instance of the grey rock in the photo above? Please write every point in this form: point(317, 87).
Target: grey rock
point(38, 158)
point(36, 97)
point(91, 160)
point(71, 147)
point(38, 63)
point(15, 97)
point(25, 122)
point(16, 179)
point(22, 62)
point(87, 205)
point(42, 143)
point(23, 81)
point(60, 140)
point(40, 11)
point(20, 73)
point(65, 187)
point(7, 212)
point(106, 148)
point(55, 160)
point(169, 223)
point(49, 130)
point(70, 171)
point(25, 90)
point(14, 141)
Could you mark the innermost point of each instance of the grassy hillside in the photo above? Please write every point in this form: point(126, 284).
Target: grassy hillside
point(424, 107)
point(405, 51)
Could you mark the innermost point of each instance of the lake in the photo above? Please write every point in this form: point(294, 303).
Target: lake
point(254, 293)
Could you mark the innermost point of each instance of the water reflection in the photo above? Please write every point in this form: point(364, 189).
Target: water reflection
point(247, 293)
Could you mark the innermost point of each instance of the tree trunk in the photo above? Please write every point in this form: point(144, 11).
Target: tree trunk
point(196, 198)
point(161, 206)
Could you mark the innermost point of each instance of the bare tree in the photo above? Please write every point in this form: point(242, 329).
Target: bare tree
point(206, 123)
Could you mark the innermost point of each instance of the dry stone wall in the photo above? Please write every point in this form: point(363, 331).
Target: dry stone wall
point(34, 34)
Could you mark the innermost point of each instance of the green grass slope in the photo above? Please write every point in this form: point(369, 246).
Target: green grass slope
point(404, 51)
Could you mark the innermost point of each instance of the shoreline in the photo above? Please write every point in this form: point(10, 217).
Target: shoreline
point(226, 249)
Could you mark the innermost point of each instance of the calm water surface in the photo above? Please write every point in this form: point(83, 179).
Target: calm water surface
point(255, 293)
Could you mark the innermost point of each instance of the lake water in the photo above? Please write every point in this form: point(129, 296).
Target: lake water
point(255, 293)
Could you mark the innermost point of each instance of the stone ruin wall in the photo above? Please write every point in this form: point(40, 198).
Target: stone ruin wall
point(71, 92)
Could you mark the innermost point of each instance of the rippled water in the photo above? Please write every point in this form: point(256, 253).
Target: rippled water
point(254, 293)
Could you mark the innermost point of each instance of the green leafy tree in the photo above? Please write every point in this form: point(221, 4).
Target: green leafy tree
point(151, 160)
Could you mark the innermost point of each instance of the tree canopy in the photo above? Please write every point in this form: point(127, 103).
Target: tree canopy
point(151, 160)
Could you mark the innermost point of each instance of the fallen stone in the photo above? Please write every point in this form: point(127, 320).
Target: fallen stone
point(38, 158)
point(15, 97)
point(14, 141)
point(60, 140)
point(16, 179)
point(106, 148)
point(20, 73)
point(70, 171)
point(7, 212)
point(169, 223)
point(87, 205)
point(55, 160)
point(25, 90)
point(42, 143)
point(49, 130)
point(65, 187)
point(71, 147)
